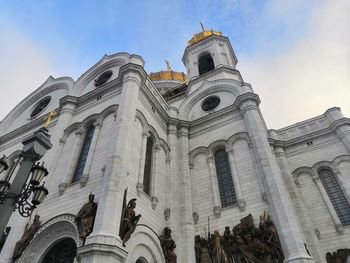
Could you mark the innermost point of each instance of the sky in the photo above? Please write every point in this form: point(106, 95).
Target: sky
point(295, 53)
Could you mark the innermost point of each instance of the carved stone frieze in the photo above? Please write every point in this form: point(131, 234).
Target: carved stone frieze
point(340, 256)
point(245, 243)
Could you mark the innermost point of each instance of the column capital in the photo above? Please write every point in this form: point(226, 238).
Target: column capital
point(316, 177)
point(145, 134)
point(247, 101)
point(210, 160)
point(157, 147)
point(98, 124)
point(79, 133)
point(229, 150)
point(63, 140)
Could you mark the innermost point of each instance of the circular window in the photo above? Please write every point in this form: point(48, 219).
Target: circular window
point(210, 103)
point(103, 78)
point(40, 106)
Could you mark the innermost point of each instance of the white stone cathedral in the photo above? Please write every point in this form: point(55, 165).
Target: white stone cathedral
point(191, 148)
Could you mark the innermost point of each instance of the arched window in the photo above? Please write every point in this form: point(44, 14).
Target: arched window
point(336, 195)
point(226, 188)
point(205, 63)
point(79, 169)
point(148, 167)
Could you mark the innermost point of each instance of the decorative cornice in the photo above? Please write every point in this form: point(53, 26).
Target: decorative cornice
point(218, 70)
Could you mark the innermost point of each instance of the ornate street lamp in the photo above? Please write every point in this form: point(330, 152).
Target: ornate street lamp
point(33, 188)
point(15, 193)
point(38, 173)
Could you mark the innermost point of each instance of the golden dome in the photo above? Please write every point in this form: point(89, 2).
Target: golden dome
point(168, 75)
point(202, 35)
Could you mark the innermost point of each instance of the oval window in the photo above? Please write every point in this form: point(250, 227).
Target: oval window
point(103, 78)
point(40, 106)
point(210, 103)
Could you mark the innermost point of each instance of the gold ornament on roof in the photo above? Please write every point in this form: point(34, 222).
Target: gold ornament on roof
point(169, 74)
point(168, 66)
point(202, 35)
point(48, 118)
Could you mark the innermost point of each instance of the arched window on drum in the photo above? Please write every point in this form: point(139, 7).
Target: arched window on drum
point(148, 166)
point(336, 195)
point(79, 169)
point(205, 63)
point(225, 181)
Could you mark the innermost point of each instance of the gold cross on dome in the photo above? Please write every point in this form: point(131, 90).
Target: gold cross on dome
point(168, 66)
point(48, 118)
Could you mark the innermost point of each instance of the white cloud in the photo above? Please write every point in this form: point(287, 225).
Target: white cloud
point(24, 66)
point(311, 75)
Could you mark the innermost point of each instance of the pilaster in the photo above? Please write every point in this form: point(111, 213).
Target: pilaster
point(186, 211)
point(108, 214)
point(280, 206)
point(85, 176)
point(239, 194)
point(308, 229)
point(214, 187)
point(139, 186)
point(71, 162)
point(173, 213)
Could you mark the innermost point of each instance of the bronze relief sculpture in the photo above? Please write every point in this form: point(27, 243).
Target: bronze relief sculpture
point(27, 236)
point(341, 256)
point(244, 244)
point(168, 245)
point(86, 217)
point(128, 219)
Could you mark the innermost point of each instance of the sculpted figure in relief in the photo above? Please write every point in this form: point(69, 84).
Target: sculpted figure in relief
point(341, 256)
point(168, 246)
point(246, 244)
point(128, 220)
point(27, 236)
point(86, 217)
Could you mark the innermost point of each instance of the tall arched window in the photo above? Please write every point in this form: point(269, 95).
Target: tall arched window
point(205, 63)
point(148, 167)
point(336, 195)
point(79, 169)
point(226, 187)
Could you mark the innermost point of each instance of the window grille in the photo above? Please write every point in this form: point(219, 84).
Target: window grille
point(148, 167)
point(336, 195)
point(83, 154)
point(226, 187)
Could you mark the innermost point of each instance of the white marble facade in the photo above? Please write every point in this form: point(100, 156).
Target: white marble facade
point(272, 170)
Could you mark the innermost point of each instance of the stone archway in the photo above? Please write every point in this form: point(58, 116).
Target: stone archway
point(50, 234)
point(64, 251)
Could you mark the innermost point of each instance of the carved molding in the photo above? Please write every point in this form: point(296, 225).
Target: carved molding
point(217, 211)
point(81, 127)
point(50, 232)
point(166, 213)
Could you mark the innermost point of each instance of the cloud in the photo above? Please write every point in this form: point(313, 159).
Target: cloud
point(24, 66)
point(305, 78)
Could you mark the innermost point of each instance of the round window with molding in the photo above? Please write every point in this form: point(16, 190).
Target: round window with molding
point(210, 103)
point(40, 107)
point(103, 78)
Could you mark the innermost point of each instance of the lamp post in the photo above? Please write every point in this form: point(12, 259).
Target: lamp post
point(16, 195)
